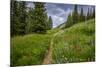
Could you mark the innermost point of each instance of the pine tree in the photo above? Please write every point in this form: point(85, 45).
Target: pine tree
point(18, 20)
point(29, 21)
point(49, 23)
point(22, 16)
point(93, 16)
point(69, 21)
point(75, 15)
point(82, 16)
point(14, 17)
point(91, 13)
point(88, 13)
point(39, 18)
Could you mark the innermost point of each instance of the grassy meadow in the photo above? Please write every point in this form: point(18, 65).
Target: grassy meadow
point(29, 49)
point(75, 44)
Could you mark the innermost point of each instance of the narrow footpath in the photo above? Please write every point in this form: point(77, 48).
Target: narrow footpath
point(48, 56)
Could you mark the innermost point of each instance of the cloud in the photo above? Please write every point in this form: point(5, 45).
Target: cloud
point(57, 20)
point(30, 5)
point(60, 18)
point(58, 14)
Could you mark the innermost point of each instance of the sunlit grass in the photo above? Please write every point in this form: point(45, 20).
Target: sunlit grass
point(76, 44)
point(29, 49)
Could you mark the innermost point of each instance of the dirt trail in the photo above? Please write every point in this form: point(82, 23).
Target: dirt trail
point(48, 56)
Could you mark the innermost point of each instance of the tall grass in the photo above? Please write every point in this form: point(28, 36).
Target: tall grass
point(76, 44)
point(29, 49)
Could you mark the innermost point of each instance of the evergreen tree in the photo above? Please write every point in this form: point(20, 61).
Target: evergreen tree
point(91, 13)
point(39, 18)
point(93, 16)
point(75, 15)
point(49, 23)
point(29, 21)
point(82, 17)
point(69, 21)
point(22, 16)
point(14, 17)
point(88, 14)
point(18, 14)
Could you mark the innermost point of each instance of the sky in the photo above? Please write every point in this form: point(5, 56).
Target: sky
point(59, 12)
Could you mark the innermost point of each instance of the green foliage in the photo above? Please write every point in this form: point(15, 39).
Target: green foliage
point(18, 17)
point(75, 15)
point(50, 23)
point(90, 14)
point(14, 14)
point(69, 21)
point(81, 17)
point(73, 18)
point(29, 21)
point(29, 49)
point(25, 20)
point(39, 18)
point(53, 31)
point(22, 16)
point(93, 16)
point(76, 44)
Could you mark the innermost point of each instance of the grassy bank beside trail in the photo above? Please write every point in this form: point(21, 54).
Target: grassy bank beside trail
point(29, 49)
point(76, 44)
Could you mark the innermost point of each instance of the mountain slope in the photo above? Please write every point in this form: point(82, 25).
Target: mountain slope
point(76, 44)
